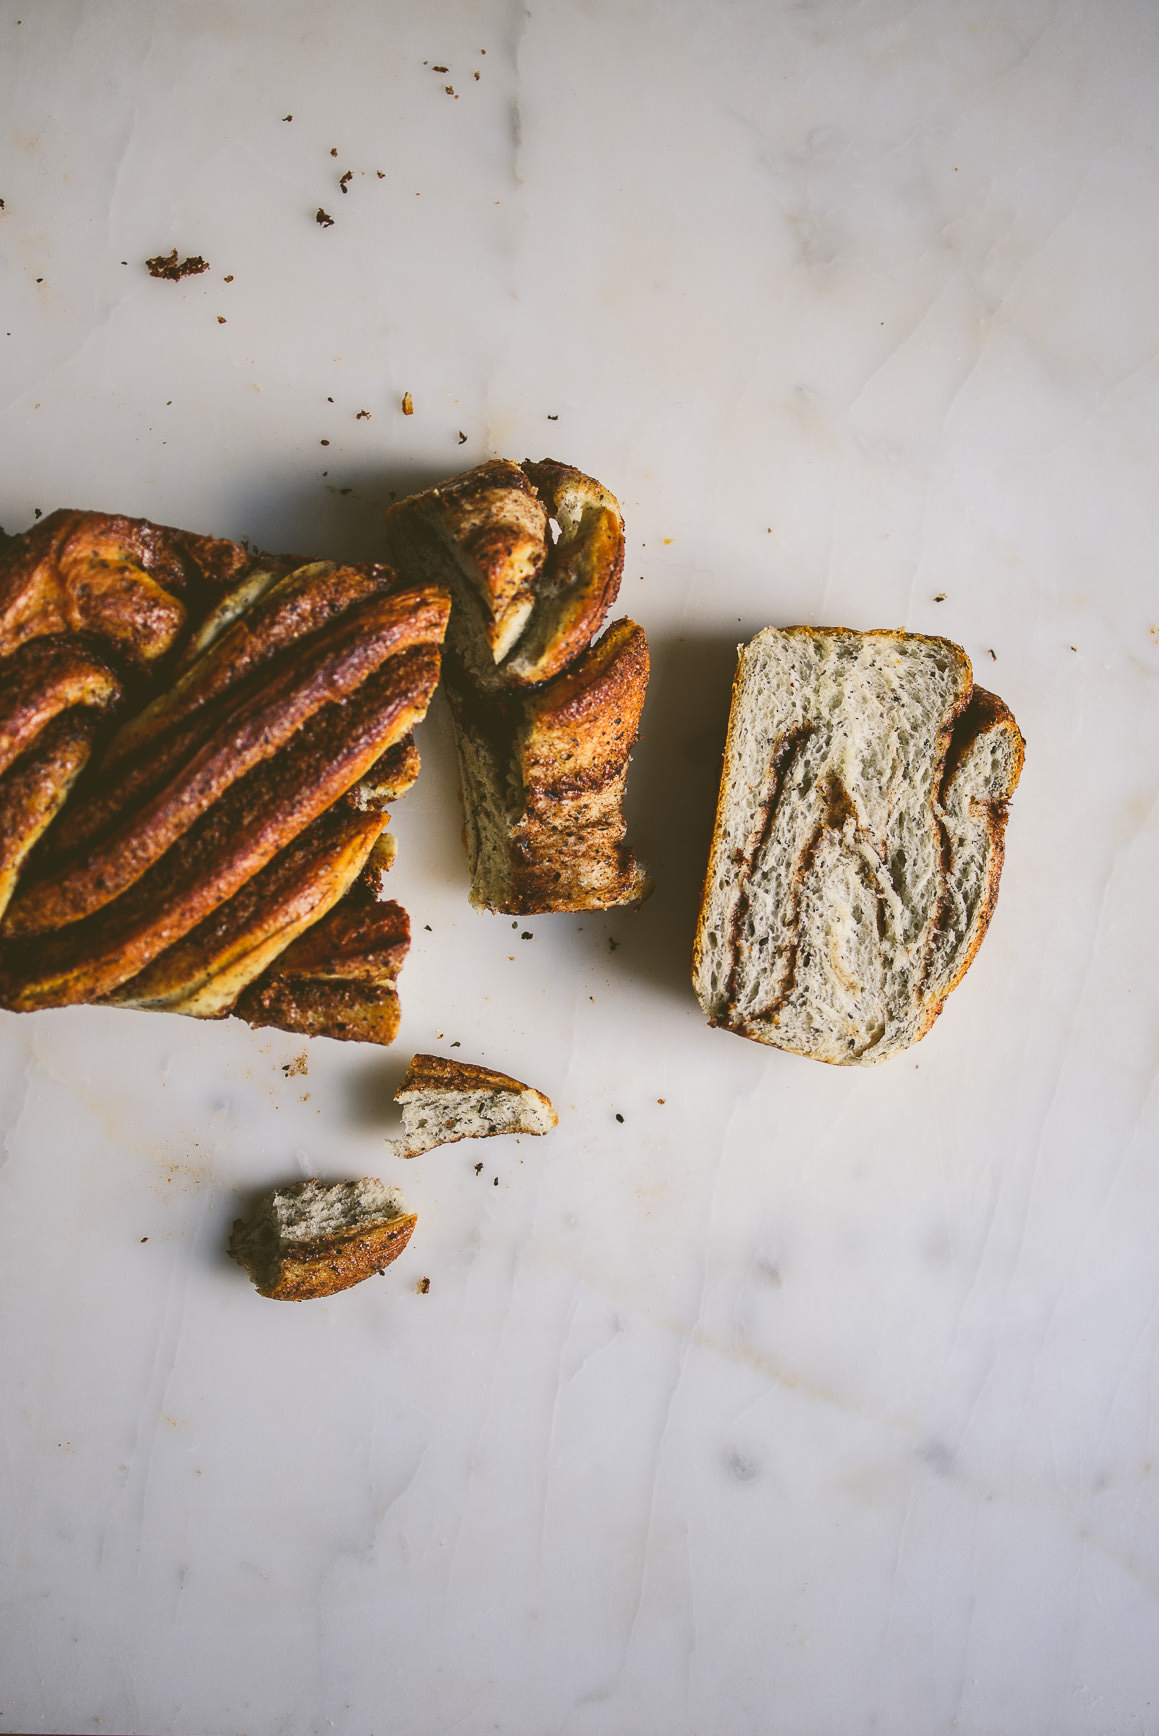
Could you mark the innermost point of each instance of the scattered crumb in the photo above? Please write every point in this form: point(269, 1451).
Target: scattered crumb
point(144, 1238)
point(408, 404)
point(440, 69)
point(994, 654)
point(323, 442)
point(456, 1045)
point(362, 416)
point(299, 1066)
point(612, 944)
point(941, 597)
point(221, 319)
point(619, 1117)
point(428, 928)
point(381, 173)
point(333, 150)
point(345, 180)
point(165, 265)
point(1153, 631)
point(36, 512)
point(462, 438)
point(287, 117)
point(553, 418)
point(423, 1286)
point(527, 935)
point(329, 400)
point(323, 218)
point(478, 1169)
point(346, 491)
point(451, 91)
point(495, 1183)
point(228, 278)
point(666, 540)
point(476, 75)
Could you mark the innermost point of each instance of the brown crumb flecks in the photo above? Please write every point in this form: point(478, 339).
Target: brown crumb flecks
point(333, 150)
point(323, 218)
point(941, 597)
point(462, 438)
point(423, 1286)
point(440, 69)
point(345, 180)
point(381, 173)
point(408, 404)
point(296, 1068)
point(362, 416)
point(287, 117)
point(221, 319)
point(478, 1169)
point(451, 91)
point(165, 265)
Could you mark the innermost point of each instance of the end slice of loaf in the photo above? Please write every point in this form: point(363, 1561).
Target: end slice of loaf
point(858, 841)
point(444, 1101)
point(313, 1240)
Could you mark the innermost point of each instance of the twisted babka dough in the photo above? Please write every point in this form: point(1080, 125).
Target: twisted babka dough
point(197, 746)
point(544, 719)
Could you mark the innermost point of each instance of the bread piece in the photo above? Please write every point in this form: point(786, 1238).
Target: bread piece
point(858, 840)
point(339, 979)
point(313, 1240)
point(543, 784)
point(444, 1101)
point(262, 713)
point(544, 721)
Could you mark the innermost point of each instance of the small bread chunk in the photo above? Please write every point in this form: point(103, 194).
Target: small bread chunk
point(858, 842)
point(443, 1101)
point(313, 1240)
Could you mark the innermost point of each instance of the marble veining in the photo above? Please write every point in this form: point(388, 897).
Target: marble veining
point(791, 1401)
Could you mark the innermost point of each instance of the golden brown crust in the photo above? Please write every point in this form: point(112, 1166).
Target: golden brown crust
point(332, 665)
point(43, 678)
point(436, 1073)
point(125, 580)
point(328, 1264)
point(254, 819)
point(339, 979)
point(33, 790)
point(204, 974)
point(234, 810)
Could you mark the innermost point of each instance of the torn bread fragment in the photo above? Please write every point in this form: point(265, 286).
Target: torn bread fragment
point(444, 1101)
point(313, 1240)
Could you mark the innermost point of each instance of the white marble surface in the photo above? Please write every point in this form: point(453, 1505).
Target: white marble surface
point(803, 1401)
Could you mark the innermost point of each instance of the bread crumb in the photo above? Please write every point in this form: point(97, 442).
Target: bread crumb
point(287, 117)
point(462, 438)
point(333, 150)
point(298, 1066)
point(165, 265)
point(478, 1169)
point(362, 416)
point(323, 218)
point(408, 404)
point(423, 1286)
point(221, 319)
point(619, 1117)
point(345, 180)
point(941, 597)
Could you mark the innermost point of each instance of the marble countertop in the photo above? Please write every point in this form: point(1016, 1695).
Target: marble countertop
point(761, 1396)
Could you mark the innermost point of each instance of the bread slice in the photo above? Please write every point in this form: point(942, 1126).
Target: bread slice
point(544, 719)
point(444, 1101)
point(858, 841)
point(313, 1240)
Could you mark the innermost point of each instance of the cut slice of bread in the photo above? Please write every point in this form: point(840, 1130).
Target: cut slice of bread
point(858, 841)
point(444, 1101)
point(313, 1240)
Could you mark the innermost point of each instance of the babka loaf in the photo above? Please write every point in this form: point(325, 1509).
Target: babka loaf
point(197, 747)
point(544, 718)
